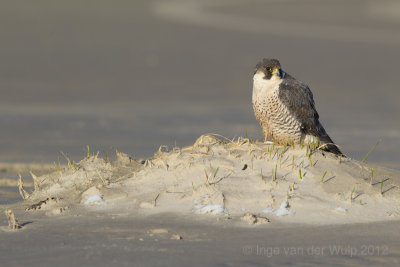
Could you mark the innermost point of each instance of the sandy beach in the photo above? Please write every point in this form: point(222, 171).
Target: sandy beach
point(128, 136)
point(219, 176)
point(184, 195)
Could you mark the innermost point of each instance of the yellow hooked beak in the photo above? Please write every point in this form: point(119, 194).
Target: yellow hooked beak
point(276, 71)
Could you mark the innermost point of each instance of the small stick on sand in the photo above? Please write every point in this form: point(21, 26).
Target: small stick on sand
point(155, 200)
point(13, 223)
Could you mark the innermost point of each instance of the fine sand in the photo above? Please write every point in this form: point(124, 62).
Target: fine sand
point(240, 180)
point(265, 197)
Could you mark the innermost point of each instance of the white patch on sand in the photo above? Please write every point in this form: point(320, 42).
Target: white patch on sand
point(92, 196)
point(96, 199)
point(204, 205)
point(284, 209)
point(210, 208)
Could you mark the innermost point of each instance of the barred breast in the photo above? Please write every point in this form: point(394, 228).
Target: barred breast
point(276, 120)
point(285, 127)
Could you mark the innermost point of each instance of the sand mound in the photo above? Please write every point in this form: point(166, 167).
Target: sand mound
point(230, 179)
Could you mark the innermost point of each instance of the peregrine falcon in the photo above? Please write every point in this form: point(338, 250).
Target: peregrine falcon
point(285, 108)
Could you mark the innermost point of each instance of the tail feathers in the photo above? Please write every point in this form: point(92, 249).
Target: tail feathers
point(332, 148)
point(326, 144)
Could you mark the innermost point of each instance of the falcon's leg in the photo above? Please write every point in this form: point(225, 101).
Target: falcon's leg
point(267, 135)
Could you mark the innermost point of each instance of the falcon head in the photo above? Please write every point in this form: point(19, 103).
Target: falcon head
point(268, 68)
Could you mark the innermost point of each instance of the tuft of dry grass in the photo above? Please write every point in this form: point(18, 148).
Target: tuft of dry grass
point(35, 179)
point(13, 223)
point(24, 194)
point(67, 159)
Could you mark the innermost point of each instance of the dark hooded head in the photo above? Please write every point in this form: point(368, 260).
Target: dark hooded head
point(269, 67)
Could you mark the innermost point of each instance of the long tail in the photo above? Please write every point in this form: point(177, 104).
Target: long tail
point(331, 147)
point(326, 143)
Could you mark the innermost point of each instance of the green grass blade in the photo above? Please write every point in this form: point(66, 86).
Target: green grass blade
point(371, 150)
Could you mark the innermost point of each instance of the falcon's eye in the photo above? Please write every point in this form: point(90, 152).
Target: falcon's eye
point(268, 69)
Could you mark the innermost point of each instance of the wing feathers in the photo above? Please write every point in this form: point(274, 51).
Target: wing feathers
point(298, 98)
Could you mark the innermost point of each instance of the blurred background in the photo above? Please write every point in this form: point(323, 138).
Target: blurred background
point(135, 75)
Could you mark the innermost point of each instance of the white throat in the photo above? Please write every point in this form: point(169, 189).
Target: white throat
point(263, 86)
